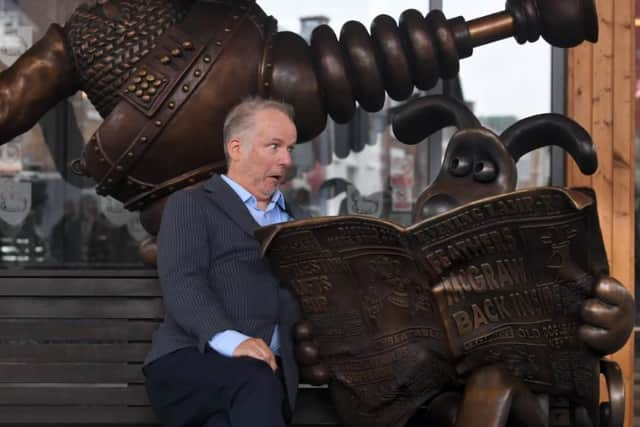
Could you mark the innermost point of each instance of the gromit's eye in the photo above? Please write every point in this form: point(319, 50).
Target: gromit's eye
point(484, 171)
point(459, 166)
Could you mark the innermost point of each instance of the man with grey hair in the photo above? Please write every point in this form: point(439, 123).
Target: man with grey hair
point(240, 118)
point(224, 354)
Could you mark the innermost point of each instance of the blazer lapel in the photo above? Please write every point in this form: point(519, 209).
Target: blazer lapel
point(227, 200)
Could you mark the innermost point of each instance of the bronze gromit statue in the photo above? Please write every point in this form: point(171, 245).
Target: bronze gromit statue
point(163, 74)
point(479, 164)
point(476, 155)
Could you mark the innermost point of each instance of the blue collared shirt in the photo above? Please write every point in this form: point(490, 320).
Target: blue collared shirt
point(225, 342)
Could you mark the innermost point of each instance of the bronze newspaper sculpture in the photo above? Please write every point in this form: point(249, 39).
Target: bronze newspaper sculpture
point(163, 74)
point(488, 290)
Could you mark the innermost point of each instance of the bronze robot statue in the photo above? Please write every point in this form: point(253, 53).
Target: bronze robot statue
point(163, 74)
point(479, 164)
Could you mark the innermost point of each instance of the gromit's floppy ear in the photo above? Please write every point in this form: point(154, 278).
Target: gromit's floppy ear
point(424, 116)
point(545, 130)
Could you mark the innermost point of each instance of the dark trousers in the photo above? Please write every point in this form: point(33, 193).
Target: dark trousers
point(188, 388)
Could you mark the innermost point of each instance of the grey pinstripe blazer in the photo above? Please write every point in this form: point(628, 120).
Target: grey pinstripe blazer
point(213, 277)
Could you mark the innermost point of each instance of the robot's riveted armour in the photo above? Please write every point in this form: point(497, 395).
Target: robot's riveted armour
point(171, 104)
point(108, 39)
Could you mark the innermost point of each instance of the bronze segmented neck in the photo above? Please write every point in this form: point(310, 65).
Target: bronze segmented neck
point(335, 72)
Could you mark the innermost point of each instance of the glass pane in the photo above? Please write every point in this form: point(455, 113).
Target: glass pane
point(360, 168)
point(50, 218)
point(504, 82)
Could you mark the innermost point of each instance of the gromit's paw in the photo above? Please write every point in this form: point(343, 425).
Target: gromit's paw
point(608, 317)
point(307, 351)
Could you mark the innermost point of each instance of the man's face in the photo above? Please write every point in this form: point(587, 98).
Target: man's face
point(261, 157)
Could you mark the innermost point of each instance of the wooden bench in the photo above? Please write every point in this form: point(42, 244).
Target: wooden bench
point(72, 346)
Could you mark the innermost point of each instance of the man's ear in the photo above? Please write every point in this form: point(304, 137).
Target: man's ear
point(234, 147)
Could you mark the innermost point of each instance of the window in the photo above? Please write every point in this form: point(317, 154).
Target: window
point(502, 82)
point(50, 218)
point(505, 82)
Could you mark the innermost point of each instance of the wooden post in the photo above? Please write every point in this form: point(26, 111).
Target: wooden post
point(601, 86)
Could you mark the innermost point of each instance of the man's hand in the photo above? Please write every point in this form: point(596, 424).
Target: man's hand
point(258, 349)
point(608, 317)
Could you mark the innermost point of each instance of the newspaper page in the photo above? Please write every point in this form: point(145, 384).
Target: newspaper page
point(509, 275)
point(399, 312)
point(375, 319)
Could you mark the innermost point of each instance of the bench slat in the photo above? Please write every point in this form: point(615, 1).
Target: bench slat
point(81, 307)
point(44, 353)
point(77, 415)
point(314, 407)
point(95, 417)
point(79, 329)
point(64, 344)
point(71, 373)
point(76, 286)
point(70, 395)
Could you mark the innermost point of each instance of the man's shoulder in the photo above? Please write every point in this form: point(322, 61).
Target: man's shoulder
point(188, 200)
point(187, 195)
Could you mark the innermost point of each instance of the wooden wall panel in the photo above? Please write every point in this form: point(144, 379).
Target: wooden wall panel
point(601, 87)
point(579, 96)
point(602, 119)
